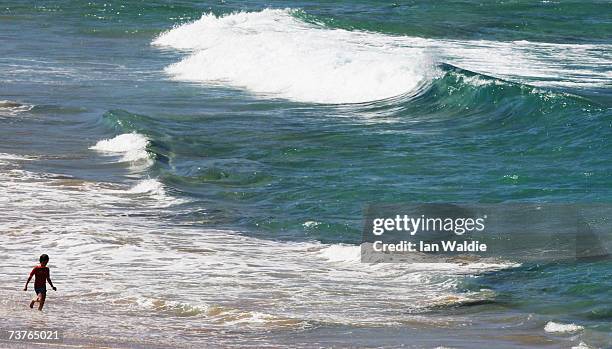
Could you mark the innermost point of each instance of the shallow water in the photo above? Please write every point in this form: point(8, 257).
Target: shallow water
point(197, 171)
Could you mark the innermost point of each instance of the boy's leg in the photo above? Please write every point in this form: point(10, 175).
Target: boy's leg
point(34, 300)
point(41, 300)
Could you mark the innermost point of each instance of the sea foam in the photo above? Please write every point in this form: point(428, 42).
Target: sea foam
point(154, 189)
point(275, 54)
point(133, 146)
point(556, 327)
point(148, 186)
point(11, 108)
point(341, 253)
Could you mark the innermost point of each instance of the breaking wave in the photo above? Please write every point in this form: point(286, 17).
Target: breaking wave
point(275, 54)
point(132, 147)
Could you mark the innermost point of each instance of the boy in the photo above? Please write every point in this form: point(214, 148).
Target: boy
point(40, 282)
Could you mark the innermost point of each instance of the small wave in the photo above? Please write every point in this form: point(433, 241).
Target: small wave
point(148, 186)
point(6, 159)
point(6, 156)
point(218, 314)
point(11, 108)
point(133, 146)
point(154, 189)
point(352, 255)
point(273, 53)
point(465, 300)
point(466, 95)
point(341, 253)
point(555, 327)
point(172, 307)
point(311, 224)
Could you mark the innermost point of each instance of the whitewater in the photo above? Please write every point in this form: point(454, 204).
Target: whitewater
point(198, 171)
point(274, 53)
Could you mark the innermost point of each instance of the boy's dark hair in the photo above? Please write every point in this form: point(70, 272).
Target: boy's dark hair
point(43, 258)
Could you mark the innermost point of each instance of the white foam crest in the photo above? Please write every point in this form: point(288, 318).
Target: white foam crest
point(11, 108)
point(555, 327)
point(351, 255)
point(536, 63)
point(272, 53)
point(153, 188)
point(311, 224)
point(8, 159)
point(214, 313)
point(148, 186)
point(177, 308)
point(341, 253)
point(133, 146)
point(275, 54)
point(14, 157)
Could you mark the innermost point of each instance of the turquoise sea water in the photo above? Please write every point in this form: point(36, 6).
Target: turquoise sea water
point(279, 122)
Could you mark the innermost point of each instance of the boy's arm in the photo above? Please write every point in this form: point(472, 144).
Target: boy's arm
point(27, 282)
point(49, 281)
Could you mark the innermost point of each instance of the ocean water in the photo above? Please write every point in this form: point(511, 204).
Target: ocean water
point(198, 171)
